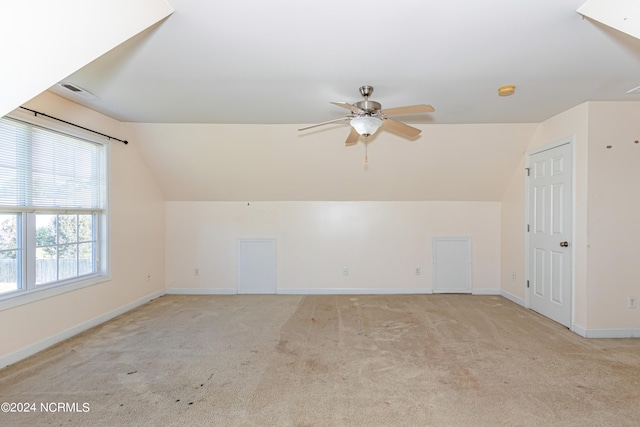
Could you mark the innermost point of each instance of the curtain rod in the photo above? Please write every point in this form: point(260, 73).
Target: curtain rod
point(36, 113)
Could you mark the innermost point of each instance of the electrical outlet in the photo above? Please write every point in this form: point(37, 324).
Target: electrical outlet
point(631, 302)
point(148, 277)
point(418, 271)
point(345, 271)
point(513, 277)
point(196, 272)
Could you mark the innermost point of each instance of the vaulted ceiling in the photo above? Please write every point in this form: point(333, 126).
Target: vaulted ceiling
point(282, 61)
point(213, 91)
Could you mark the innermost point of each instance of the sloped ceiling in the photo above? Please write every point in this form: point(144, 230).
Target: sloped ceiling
point(282, 61)
point(45, 41)
point(623, 15)
point(214, 94)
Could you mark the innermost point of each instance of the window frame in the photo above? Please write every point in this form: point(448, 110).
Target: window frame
point(31, 229)
point(102, 273)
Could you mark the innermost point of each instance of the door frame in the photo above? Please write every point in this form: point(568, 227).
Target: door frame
point(564, 141)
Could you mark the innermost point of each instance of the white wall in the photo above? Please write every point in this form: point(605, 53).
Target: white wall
point(605, 243)
point(276, 162)
point(569, 124)
point(136, 237)
point(512, 237)
point(382, 243)
point(613, 223)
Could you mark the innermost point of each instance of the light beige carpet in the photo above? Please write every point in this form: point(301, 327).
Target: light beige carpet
point(415, 360)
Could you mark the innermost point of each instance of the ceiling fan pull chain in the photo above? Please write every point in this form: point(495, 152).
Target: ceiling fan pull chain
point(366, 157)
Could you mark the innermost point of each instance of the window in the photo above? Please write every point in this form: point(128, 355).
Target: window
point(64, 246)
point(53, 191)
point(10, 252)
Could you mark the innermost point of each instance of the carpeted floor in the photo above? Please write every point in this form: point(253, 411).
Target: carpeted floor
point(386, 360)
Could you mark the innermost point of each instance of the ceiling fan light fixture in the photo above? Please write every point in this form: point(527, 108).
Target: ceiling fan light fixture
point(366, 125)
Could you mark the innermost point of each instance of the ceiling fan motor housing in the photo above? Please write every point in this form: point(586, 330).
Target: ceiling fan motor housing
point(369, 107)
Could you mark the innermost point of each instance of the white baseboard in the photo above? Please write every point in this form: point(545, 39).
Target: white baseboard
point(485, 291)
point(352, 291)
point(579, 330)
point(201, 291)
point(606, 333)
point(512, 298)
point(32, 349)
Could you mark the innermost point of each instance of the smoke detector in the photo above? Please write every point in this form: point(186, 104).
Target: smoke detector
point(506, 90)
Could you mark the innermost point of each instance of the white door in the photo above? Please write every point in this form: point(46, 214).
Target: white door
point(256, 266)
point(452, 265)
point(550, 224)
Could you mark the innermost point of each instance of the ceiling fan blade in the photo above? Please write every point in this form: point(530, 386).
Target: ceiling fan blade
point(353, 137)
point(347, 106)
point(411, 109)
point(326, 123)
point(399, 127)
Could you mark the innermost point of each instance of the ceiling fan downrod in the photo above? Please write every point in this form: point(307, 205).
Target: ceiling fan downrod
point(370, 108)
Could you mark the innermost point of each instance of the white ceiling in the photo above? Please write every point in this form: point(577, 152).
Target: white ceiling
point(282, 61)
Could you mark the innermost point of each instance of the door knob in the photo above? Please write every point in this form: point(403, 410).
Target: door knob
point(564, 244)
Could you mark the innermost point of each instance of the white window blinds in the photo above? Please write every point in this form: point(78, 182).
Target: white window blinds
point(42, 169)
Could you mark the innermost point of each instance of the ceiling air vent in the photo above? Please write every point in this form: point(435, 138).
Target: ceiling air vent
point(71, 87)
point(77, 90)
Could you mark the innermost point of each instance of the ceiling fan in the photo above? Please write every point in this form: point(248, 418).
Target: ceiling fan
point(367, 117)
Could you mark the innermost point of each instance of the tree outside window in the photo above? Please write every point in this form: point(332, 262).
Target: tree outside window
point(64, 246)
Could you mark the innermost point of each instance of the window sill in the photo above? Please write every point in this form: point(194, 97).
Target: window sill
point(18, 298)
